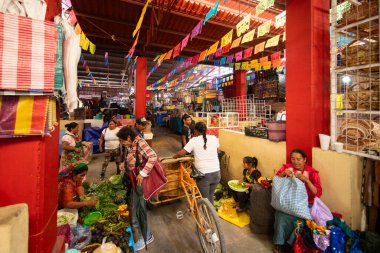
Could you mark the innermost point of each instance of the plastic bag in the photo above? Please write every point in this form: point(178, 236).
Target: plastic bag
point(81, 237)
point(322, 241)
point(289, 196)
point(320, 212)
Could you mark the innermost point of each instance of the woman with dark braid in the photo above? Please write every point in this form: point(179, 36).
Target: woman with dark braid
point(205, 149)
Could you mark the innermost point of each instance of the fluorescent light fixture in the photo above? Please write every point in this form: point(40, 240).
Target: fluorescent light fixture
point(346, 79)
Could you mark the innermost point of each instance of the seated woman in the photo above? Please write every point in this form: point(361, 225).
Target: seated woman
point(250, 175)
point(70, 188)
point(285, 224)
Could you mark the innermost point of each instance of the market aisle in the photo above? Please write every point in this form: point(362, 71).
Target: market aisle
point(172, 235)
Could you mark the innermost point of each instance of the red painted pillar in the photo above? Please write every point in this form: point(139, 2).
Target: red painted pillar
point(140, 100)
point(308, 73)
point(240, 82)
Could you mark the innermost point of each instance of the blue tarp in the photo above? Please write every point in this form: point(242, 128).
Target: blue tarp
point(92, 134)
point(176, 125)
point(160, 119)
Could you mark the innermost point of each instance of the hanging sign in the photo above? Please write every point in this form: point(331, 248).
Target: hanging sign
point(243, 25)
point(272, 42)
point(226, 39)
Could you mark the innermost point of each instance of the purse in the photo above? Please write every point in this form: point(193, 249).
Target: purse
point(195, 173)
point(155, 180)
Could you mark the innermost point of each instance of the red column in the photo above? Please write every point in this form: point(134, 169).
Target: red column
point(240, 82)
point(308, 74)
point(140, 100)
point(53, 9)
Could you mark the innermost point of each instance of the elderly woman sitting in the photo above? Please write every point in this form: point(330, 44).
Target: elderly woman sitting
point(285, 224)
point(70, 188)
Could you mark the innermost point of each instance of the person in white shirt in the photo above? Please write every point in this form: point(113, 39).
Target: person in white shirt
point(205, 149)
point(112, 147)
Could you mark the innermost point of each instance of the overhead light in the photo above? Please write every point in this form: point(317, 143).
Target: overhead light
point(346, 79)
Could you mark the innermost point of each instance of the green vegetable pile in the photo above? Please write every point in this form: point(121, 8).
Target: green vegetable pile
point(64, 218)
point(110, 194)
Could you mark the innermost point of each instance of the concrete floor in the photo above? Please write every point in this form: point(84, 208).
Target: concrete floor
point(172, 235)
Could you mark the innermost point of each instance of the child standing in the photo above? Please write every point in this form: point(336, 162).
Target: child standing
point(250, 175)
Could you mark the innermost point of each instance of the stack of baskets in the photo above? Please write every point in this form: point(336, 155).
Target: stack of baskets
point(367, 8)
point(364, 96)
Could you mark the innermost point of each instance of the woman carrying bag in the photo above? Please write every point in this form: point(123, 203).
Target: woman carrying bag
point(137, 150)
point(284, 222)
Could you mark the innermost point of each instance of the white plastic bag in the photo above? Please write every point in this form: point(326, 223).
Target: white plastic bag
point(320, 212)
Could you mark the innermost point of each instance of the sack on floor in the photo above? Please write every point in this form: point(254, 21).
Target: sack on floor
point(261, 212)
point(289, 196)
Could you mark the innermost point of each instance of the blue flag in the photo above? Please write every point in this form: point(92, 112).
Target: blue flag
point(211, 12)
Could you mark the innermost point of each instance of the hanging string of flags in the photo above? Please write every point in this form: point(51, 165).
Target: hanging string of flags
point(226, 45)
point(84, 42)
point(173, 53)
point(88, 71)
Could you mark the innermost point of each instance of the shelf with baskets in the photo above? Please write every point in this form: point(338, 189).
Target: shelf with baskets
point(355, 77)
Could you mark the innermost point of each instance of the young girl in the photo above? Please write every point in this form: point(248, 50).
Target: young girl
point(250, 175)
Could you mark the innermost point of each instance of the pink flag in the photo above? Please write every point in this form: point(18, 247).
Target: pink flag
point(218, 52)
point(184, 42)
point(239, 56)
point(196, 30)
point(230, 58)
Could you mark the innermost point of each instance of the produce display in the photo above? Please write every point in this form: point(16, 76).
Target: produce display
point(237, 186)
point(110, 216)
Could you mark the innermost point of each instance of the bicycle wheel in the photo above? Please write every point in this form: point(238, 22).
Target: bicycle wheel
point(212, 240)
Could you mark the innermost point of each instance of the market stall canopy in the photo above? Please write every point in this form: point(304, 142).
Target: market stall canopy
point(109, 24)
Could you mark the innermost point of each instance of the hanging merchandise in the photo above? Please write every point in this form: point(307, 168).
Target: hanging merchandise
point(26, 115)
point(58, 79)
point(35, 42)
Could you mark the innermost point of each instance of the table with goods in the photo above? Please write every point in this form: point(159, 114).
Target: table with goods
point(104, 227)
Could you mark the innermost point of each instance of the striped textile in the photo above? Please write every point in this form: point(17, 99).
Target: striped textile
point(27, 53)
point(26, 115)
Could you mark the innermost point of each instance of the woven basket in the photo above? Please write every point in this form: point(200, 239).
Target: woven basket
point(361, 98)
point(368, 8)
point(361, 52)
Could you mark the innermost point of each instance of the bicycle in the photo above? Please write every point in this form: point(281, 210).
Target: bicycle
point(208, 226)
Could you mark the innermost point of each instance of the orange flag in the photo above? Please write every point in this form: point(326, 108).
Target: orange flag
point(259, 47)
point(236, 43)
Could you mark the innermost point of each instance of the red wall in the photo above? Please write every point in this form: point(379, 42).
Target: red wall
point(29, 173)
point(308, 73)
point(53, 9)
point(140, 101)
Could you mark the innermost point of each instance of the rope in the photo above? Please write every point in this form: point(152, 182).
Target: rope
point(46, 225)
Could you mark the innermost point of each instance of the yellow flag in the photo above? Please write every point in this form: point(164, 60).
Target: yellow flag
point(259, 47)
point(86, 44)
point(255, 65)
point(248, 36)
point(78, 29)
point(246, 65)
point(263, 29)
point(272, 42)
point(92, 48)
point(227, 38)
point(156, 58)
point(243, 25)
point(213, 48)
point(267, 65)
point(237, 66)
point(82, 40)
point(161, 57)
point(236, 43)
point(138, 26)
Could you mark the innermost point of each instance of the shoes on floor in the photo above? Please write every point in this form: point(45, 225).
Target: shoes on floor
point(139, 245)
